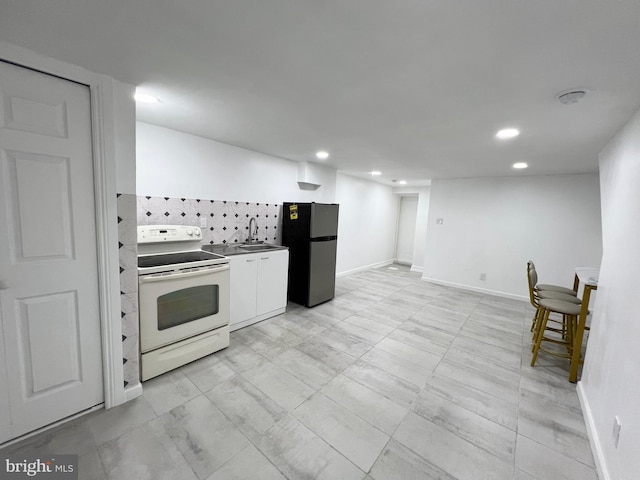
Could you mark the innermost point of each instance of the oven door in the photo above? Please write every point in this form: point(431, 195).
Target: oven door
point(180, 305)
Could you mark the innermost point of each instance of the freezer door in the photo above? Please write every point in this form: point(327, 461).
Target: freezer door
point(324, 220)
point(322, 272)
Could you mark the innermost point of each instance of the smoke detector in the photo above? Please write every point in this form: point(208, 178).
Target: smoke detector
point(573, 96)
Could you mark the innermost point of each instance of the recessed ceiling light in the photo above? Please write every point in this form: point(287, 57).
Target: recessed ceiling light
point(322, 155)
point(145, 98)
point(520, 165)
point(508, 133)
point(375, 173)
point(573, 96)
point(402, 182)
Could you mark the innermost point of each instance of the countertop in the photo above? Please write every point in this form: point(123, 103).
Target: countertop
point(228, 249)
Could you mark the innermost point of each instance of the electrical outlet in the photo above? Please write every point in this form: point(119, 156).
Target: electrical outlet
point(483, 276)
point(616, 431)
point(203, 222)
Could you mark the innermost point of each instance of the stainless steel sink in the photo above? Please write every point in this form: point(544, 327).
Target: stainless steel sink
point(258, 247)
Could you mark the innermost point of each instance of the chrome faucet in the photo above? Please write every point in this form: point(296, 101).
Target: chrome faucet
point(253, 232)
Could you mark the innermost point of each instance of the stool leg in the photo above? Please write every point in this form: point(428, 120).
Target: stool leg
point(541, 328)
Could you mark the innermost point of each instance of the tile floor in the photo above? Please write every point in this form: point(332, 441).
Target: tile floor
point(395, 378)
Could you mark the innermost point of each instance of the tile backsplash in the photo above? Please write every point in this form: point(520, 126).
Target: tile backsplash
point(226, 222)
point(128, 253)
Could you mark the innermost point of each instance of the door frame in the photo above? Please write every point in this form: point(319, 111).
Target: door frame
point(104, 135)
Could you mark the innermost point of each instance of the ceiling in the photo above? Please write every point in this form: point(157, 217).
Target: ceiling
point(414, 88)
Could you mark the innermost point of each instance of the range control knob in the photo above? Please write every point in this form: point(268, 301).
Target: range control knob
point(197, 232)
point(190, 232)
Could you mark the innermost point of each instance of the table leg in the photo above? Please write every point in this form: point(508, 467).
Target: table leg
point(577, 340)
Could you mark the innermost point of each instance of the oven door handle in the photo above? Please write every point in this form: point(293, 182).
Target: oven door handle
point(173, 276)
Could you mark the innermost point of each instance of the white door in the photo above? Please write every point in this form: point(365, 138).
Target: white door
point(50, 345)
point(406, 229)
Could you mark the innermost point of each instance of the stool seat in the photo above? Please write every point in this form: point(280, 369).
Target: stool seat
point(560, 306)
point(555, 288)
point(552, 295)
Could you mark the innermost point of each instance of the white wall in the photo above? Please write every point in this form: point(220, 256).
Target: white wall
point(494, 225)
point(125, 128)
point(367, 226)
point(610, 383)
point(176, 164)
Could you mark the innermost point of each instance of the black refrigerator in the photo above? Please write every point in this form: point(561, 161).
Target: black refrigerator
point(310, 230)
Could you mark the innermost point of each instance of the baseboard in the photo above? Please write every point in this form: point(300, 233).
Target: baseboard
point(477, 289)
point(132, 391)
point(592, 433)
point(415, 268)
point(366, 267)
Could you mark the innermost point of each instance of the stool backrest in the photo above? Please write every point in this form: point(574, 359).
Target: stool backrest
point(532, 280)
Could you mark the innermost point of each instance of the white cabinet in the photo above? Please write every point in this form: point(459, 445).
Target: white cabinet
point(258, 287)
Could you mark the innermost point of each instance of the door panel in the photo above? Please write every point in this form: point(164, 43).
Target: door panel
point(324, 220)
point(322, 271)
point(39, 199)
point(49, 309)
point(48, 323)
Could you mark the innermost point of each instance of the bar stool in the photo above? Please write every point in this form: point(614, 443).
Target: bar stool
point(570, 312)
point(535, 295)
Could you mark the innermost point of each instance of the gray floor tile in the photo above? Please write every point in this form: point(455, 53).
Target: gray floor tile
point(327, 355)
point(394, 388)
point(248, 464)
point(281, 386)
point(90, 466)
point(248, 408)
point(370, 323)
point(277, 331)
point(73, 438)
point(476, 429)
point(434, 335)
point(203, 434)
point(208, 372)
point(557, 426)
point(440, 318)
point(369, 405)
point(542, 462)
point(450, 452)
point(418, 341)
point(240, 357)
point(354, 438)
point(444, 371)
point(397, 462)
point(362, 334)
point(109, 424)
point(495, 409)
point(169, 390)
point(488, 382)
point(301, 454)
point(343, 341)
point(427, 360)
point(312, 372)
point(145, 453)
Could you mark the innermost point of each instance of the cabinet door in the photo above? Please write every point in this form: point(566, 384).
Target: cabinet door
point(272, 281)
point(243, 278)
